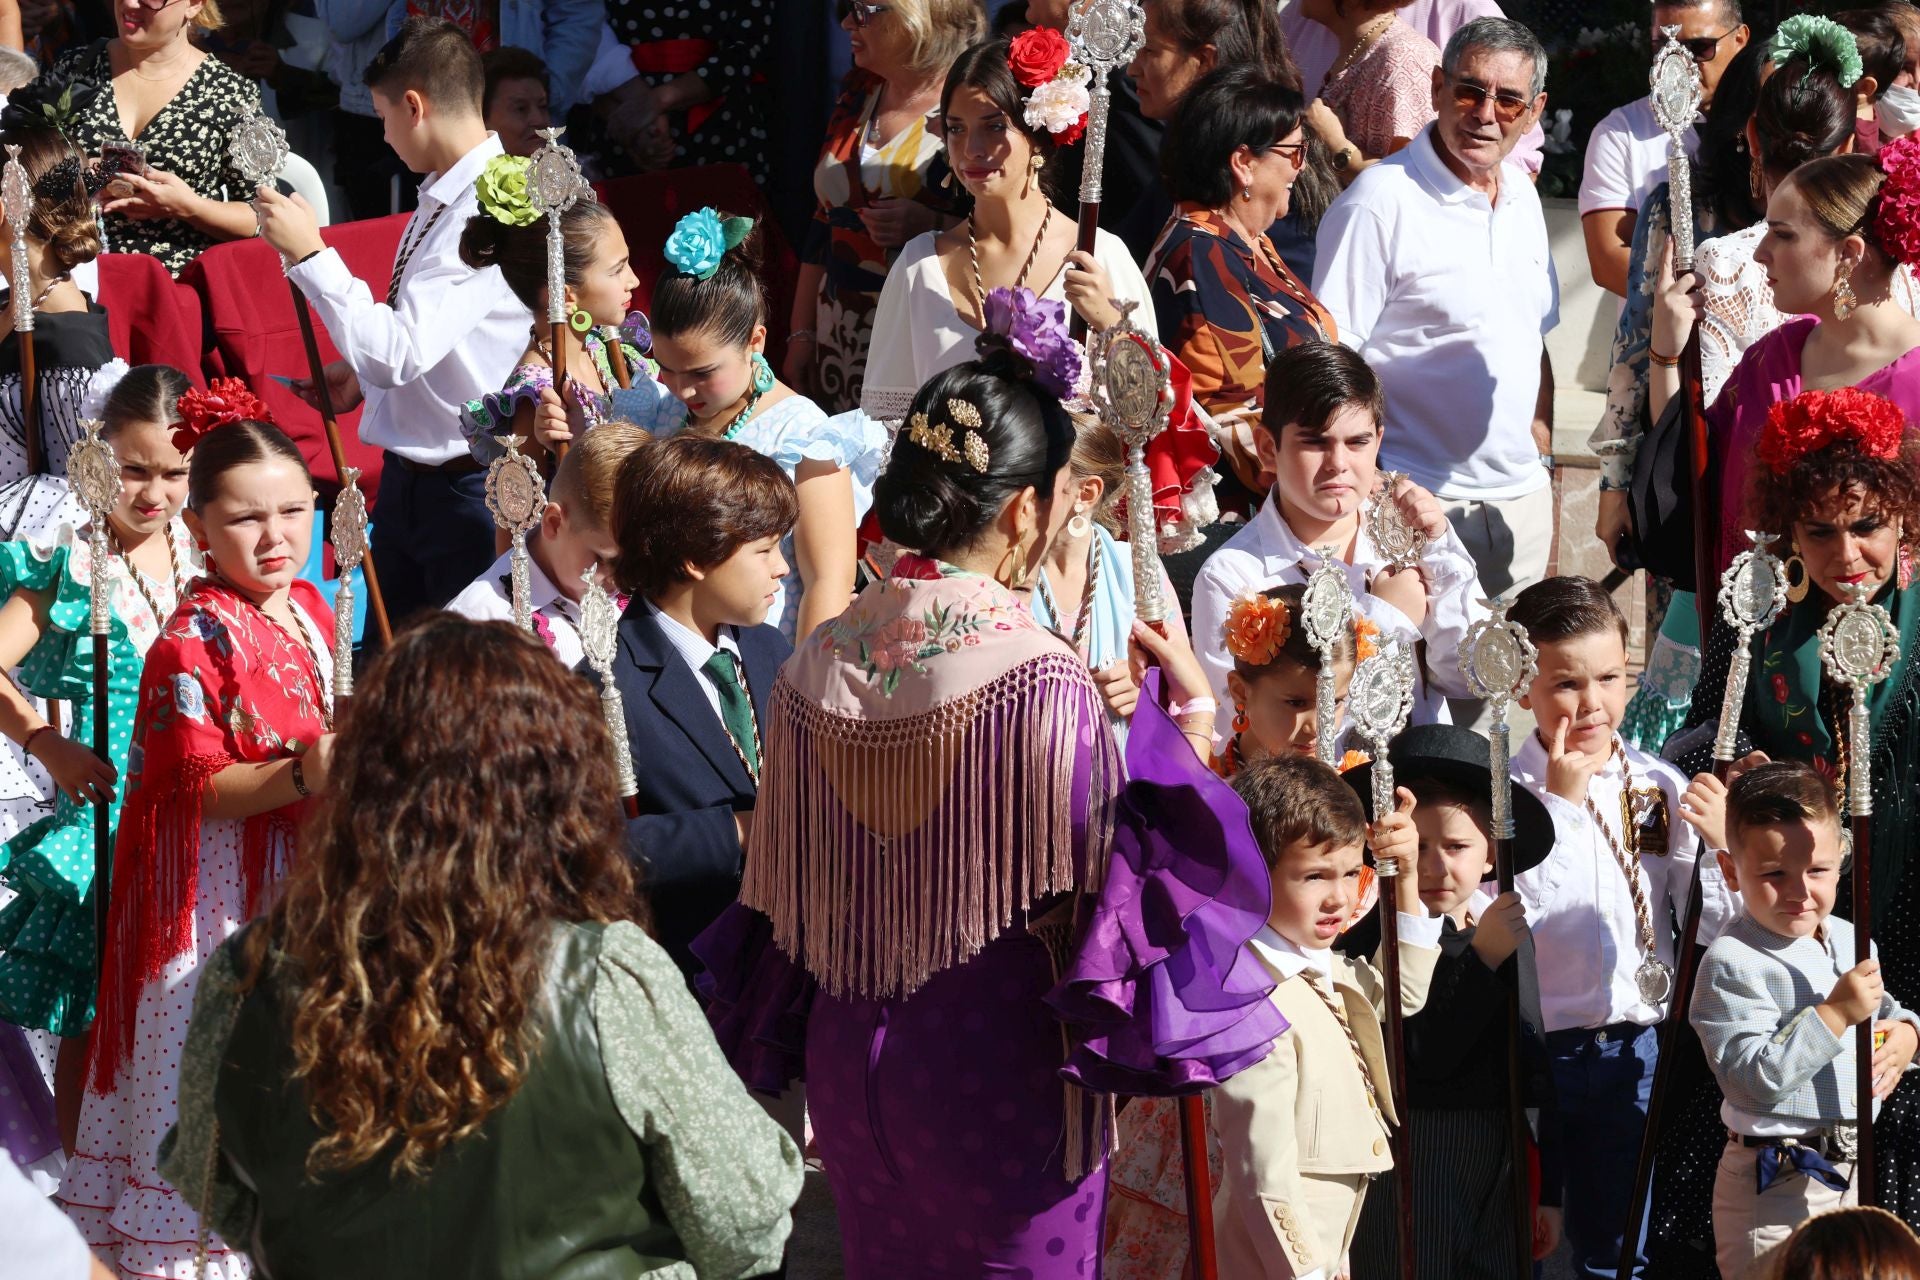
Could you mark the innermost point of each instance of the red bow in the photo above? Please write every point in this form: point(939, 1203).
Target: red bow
point(225, 400)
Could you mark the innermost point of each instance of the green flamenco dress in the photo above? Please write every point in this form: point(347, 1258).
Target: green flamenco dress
point(47, 967)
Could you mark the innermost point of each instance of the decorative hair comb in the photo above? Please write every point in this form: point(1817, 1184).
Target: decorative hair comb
point(224, 401)
point(1258, 626)
point(937, 437)
point(701, 239)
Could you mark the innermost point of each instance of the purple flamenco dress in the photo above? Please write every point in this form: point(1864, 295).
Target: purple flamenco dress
point(934, 852)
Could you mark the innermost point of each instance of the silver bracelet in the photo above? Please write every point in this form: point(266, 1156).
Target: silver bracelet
point(804, 335)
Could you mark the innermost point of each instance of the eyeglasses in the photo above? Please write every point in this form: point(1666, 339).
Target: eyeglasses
point(1703, 48)
point(861, 12)
point(1294, 152)
point(1507, 107)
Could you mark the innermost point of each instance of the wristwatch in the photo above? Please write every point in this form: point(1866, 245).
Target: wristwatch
point(1343, 158)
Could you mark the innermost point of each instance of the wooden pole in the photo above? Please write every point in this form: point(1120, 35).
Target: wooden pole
point(558, 330)
point(1518, 1133)
point(617, 356)
point(1193, 1151)
point(1402, 1133)
point(1866, 1181)
point(324, 396)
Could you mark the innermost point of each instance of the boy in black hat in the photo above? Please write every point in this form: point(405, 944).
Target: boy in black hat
point(1457, 1078)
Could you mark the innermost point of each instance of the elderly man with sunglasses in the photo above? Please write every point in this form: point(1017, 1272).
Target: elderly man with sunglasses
point(1435, 265)
point(1627, 152)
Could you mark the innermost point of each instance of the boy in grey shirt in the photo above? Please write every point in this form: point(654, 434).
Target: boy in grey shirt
point(1777, 998)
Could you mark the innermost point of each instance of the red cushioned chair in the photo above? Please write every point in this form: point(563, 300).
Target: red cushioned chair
point(256, 332)
point(171, 326)
point(648, 205)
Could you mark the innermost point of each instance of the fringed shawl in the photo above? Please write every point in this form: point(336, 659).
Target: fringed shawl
point(937, 765)
point(222, 686)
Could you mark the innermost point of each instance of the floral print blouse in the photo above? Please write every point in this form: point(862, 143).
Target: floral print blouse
point(188, 138)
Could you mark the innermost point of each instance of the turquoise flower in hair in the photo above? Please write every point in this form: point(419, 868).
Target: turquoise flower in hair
point(701, 239)
point(1822, 42)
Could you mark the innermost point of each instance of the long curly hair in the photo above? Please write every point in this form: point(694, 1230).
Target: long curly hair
point(471, 806)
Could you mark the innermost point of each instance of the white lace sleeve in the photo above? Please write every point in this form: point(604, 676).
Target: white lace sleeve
point(1738, 302)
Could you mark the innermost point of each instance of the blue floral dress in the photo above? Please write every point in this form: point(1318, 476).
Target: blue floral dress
point(47, 971)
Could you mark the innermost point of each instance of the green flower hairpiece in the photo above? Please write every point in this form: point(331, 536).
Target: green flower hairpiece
point(502, 191)
point(701, 239)
point(1822, 42)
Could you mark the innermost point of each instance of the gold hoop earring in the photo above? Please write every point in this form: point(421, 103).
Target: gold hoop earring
point(1797, 578)
point(1844, 303)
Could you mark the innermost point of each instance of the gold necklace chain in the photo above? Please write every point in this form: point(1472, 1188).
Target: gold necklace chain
point(1361, 45)
point(973, 255)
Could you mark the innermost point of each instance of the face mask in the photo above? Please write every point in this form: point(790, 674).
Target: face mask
point(1898, 112)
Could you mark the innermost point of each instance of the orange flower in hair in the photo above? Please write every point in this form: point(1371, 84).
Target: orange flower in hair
point(1366, 637)
point(1813, 420)
point(1257, 625)
point(225, 400)
point(1354, 759)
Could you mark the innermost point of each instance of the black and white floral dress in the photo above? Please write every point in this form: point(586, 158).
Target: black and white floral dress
point(188, 138)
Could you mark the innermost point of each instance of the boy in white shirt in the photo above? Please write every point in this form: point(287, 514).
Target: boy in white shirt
point(1600, 906)
point(445, 334)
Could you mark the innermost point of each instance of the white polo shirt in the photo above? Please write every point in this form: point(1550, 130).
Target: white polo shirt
point(1448, 298)
point(1626, 159)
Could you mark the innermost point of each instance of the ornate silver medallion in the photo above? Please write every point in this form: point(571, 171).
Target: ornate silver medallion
point(1380, 699)
point(599, 635)
point(1130, 383)
point(554, 178)
point(349, 535)
point(1676, 94)
point(1655, 981)
point(1106, 34)
point(16, 192)
point(258, 149)
point(1327, 606)
point(93, 472)
point(1753, 591)
point(515, 493)
point(1393, 535)
point(1499, 662)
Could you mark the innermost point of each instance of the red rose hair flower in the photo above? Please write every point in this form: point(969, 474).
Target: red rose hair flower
point(225, 400)
point(1813, 420)
point(1896, 223)
point(1036, 55)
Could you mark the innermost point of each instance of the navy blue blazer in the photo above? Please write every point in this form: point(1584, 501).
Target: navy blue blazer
point(684, 843)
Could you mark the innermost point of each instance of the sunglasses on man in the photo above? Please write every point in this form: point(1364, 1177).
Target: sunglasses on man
point(861, 12)
point(1507, 107)
point(1703, 48)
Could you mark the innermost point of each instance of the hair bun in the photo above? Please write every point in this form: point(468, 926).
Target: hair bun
point(483, 241)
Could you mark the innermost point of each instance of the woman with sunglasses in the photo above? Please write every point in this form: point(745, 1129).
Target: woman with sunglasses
point(881, 180)
point(179, 106)
point(681, 84)
point(1225, 299)
point(1379, 94)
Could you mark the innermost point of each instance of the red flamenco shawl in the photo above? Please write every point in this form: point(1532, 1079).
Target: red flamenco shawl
point(223, 685)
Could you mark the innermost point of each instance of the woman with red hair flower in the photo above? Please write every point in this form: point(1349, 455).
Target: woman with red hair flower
point(233, 731)
point(1838, 474)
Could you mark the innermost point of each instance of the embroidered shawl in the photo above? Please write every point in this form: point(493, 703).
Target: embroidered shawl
point(223, 685)
point(937, 765)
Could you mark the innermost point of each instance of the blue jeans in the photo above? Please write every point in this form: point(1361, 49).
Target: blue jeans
point(1590, 1142)
point(432, 535)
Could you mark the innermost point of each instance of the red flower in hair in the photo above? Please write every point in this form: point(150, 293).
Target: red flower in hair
point(225, 400)
point(1896, 223)
point(1813, 420)
point(1036, 55)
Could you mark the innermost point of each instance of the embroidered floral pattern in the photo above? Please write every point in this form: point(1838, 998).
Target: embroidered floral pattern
point(888, 645)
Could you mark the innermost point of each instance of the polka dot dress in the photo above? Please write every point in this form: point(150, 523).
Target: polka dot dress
point(113, 1192)
point(729, 43)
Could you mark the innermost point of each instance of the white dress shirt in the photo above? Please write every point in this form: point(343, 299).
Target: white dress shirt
point(1266, 553)
point(1580, 908)
point(1289, 959)
point(1449, 298)
point(453, 335)
point(489, 598)
point(693, 647)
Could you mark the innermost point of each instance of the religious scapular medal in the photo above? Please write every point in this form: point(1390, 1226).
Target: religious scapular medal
point(1380, 699)
point(258, 149)
point(1655, 981)
point(94, 475)
point(599, 635)
point(517, 499)
point(1395, 537)
point(1499, 664)
point(1753, 591)
point(554, 183)
point(1328, 606)
point(349, 549)
point(1130, 383)
point(16, 191)
point(1676, 93)
point(1858, 646)
point(1649, 807)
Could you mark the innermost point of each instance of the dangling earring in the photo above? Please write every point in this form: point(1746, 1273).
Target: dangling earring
point(762, 374)
point(1906, 566)
point(580, 321)
point(1034, 166)
point(1796, 578)
point(1079, 526)
point(1246, 193)
point(1844, 303)
point(946, 180)
point(1239, 719)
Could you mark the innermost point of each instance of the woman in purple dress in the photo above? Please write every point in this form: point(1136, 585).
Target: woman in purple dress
point(933, 830)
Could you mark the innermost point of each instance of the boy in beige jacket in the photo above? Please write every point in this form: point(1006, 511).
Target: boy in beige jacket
point(1304, 1131)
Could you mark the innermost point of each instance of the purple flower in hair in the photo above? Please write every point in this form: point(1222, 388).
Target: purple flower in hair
point(1035, 329)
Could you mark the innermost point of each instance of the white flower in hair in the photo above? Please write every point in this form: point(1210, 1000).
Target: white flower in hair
point(1060, 103)
point(93, 401)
